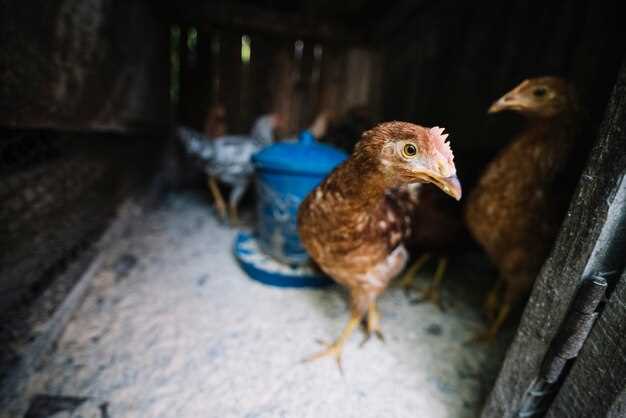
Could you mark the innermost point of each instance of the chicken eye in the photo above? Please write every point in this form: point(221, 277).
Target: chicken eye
point(540, 92)
point(409, 150)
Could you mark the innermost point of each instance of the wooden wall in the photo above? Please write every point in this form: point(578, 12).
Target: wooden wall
point(83, 64)
point(84, 111)
point(293, 76)
point(446, 62)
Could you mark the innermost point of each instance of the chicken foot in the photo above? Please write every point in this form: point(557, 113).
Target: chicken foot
point(335, 349)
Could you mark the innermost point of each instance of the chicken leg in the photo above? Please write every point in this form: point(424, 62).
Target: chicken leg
point(433, 292)
point(499, 301)
point(220, 205)
point(408, 278)
point(234, 198)
point(233, 215)
point(492, 302)
point(373, 324)
point(492, 330)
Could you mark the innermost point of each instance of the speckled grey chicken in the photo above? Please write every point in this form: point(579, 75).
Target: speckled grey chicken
point(517, 207)
point(227, 159)
point(356, 230)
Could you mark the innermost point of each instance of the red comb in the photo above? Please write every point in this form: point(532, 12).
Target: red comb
point(438, 139)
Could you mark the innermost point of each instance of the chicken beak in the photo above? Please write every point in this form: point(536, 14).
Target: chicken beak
point(496, 106)
point(513, 100)
point(508, 101)
point(450, 185)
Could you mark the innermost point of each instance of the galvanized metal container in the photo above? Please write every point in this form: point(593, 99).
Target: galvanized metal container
point(285, 173)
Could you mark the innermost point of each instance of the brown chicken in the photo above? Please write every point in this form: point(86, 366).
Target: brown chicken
point(516, 209)
point(355, 230)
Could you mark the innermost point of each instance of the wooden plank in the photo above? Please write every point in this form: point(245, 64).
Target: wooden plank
point(304, 87)
point(398, 16)
point(282, 82)
point(563, 271)
point(618, 408)
point(359, 77)
point(598, 376)
point(332, 79)
point(247, 17)
point(230, 76)
point(70, 64)
point(263, 52)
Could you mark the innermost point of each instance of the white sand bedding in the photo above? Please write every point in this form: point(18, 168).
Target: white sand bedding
point(184, 333)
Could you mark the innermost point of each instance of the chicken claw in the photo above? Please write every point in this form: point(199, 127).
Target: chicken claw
point(335, 349)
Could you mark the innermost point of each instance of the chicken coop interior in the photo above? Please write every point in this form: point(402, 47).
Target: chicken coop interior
point(159, 256)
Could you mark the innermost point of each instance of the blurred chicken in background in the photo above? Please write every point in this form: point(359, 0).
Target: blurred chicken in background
point(226, 159)
point(517, 207)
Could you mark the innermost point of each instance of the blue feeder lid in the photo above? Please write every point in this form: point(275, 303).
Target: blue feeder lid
point(305, 156)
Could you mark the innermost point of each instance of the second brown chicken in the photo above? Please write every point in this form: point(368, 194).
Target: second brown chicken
point(517, 207)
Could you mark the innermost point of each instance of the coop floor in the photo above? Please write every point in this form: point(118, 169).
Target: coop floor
point(173, 328)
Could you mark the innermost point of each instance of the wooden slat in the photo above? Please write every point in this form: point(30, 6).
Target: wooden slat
point(598, 377)
point(83, 65)
point(247, 17)
point(263, 53)
point(283, 84)
point(306, 96)
point(563, 271)
point(230, 75)
point(332, 79)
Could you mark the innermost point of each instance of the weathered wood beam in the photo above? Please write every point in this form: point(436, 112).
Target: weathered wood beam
point(598, 377)
point(396, 19)
point(229, 15)
point(83, 65)
point(573, 258)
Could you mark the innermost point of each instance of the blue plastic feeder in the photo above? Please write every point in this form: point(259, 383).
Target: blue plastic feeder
point(285, 174)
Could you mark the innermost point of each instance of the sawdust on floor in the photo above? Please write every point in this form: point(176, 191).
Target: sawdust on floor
point(173, 328)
